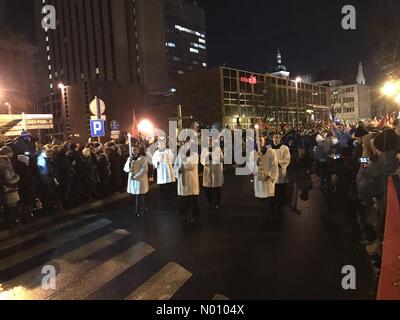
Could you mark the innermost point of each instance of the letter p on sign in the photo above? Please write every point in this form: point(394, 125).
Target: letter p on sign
point(97, 128)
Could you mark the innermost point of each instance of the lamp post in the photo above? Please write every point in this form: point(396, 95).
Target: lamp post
point(297, 81)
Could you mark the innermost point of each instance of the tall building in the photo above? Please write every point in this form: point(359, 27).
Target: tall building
point(138, 45)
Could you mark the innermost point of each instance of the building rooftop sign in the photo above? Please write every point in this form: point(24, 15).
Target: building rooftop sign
point(251, 80)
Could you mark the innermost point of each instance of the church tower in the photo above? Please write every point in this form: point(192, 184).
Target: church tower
point(360, 77)
point(280, 69)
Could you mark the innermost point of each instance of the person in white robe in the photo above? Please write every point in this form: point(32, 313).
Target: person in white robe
point(284, 158)
point(212, 159)
point(138, 180)
point(187, 173)
point(264, 184)
point(163, 161)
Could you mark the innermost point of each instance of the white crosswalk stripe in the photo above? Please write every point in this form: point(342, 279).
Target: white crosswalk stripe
point(24, 255)
point(79, 273)
point(163, 285)
point(104, 273)
point(69, 268)
point(44, 231)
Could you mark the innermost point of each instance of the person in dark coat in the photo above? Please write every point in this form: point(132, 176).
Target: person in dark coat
point(115, 167)
point(27, 187)
point(66, 174)
point(88, 175)
point(103, 168)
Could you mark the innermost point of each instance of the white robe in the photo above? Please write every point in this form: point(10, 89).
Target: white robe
point(188, 180)
point(138, 180)
point(163, 161)
point(284, 158)
point(213, 173)
point(265, 189)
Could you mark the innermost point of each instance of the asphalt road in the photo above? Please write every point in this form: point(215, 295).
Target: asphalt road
point(230, 254)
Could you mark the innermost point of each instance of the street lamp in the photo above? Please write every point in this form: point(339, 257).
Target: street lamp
point(298, 80)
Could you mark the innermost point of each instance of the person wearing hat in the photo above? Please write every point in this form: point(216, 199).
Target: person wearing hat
point(372, 179)
point(9, 185)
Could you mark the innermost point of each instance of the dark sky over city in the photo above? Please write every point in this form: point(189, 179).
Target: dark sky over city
point(247, 33)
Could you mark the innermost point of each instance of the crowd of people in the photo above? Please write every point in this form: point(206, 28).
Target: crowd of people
point(351, 161)
point(48, 179)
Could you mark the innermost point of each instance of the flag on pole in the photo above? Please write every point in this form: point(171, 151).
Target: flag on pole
point(134, 129)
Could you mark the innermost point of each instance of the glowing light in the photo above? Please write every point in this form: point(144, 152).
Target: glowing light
point(298, 79)
point(390, 88)
point(397, 99)
point(61, 86)
point(146, 127)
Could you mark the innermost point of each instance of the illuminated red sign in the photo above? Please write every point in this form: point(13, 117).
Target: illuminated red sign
point(251, 80)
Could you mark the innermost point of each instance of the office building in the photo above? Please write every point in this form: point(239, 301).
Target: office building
point(139, 45)
point(231, 98)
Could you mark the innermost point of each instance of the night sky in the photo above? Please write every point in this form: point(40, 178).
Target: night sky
point(247, 33)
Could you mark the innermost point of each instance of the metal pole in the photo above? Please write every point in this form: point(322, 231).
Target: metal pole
point(98, 113)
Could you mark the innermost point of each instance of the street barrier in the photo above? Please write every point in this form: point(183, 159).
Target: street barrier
point(389, 282)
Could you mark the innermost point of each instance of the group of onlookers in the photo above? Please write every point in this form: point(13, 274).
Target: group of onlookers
point(57, 176)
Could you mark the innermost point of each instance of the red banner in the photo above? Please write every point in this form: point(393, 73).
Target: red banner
point(389, 282)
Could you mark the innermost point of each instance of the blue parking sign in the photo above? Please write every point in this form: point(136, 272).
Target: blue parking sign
point(97, 128)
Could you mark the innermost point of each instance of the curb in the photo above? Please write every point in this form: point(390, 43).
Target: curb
point(68, 215)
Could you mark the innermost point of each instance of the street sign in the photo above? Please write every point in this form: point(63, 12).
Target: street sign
point(93, 107)
point(115, 125)
point(115, 135)
point(97, 128)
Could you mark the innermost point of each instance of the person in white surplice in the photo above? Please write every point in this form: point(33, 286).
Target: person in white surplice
point(163, 161)
point(187, 173)
point(264, 166)
point(212, 159)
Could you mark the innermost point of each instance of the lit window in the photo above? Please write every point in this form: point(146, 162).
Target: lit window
point(48, 58)
point(204, 64)
point(97, 70)
point(196, 45)
point(199, 34)
point(177, 59)
point(170, 44)
point(202, 40)
point(194, 50)
point(181, 72)
point(172, 90)
point(49, 66)
point(51, 86)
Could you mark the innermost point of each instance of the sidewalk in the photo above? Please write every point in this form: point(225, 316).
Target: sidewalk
point(69, 214)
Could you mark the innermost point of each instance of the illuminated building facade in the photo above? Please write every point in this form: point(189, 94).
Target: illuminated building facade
point(226, 97)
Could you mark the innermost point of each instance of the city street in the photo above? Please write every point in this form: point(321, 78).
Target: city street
point(231, 254)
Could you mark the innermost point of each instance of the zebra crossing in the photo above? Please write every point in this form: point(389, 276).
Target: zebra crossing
point(79, 271)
